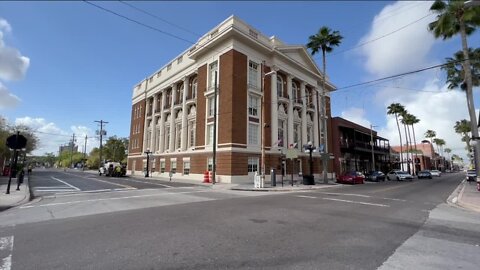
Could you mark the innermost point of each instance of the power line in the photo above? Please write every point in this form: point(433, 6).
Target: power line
point(158, 18)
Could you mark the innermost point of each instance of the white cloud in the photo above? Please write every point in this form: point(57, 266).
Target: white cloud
point(7, 99)
point(13, 65)
point(51, 137)
point(403, 50)
point(357, 116)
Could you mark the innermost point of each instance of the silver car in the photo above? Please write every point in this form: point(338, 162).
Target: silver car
point(436, 173)
point(399, 176)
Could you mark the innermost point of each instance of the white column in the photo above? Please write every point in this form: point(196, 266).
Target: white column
point(304, 113)
point(172, 119)
point(161, 136)
point(274, 109)
point(290, 111)
point(316, 136)
point(184, 114)
point(154, 126)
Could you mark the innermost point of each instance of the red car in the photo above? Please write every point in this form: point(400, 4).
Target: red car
point(351, 178)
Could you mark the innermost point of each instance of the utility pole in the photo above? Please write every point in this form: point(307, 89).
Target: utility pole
point(214, 165)
point(371, 142)
point(84, 153)
point(71, 150)
point(101, 133)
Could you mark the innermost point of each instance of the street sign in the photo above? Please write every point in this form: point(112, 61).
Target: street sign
point(292, 153)
point(16, 141)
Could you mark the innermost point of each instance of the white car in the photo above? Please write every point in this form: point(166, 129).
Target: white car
point(399, 175)
point(436, 173)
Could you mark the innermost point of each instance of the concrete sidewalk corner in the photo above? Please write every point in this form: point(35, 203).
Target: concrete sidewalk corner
point(16, 197)
point(466, 196)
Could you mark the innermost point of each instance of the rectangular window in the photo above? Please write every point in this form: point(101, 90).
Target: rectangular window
point(296, 135)
point(191, 133)
point(162, 166)
point(252, 134)
point(178, 136)
point(253, 105)
point(253, 164)
point(309, 134)
point(167, 137)
point(211, 107)
point(186, 167)
point(213, 69)
point(281, 128)
point(253, 75)
point(209, 164)
point(210, 134)
point(173, 166)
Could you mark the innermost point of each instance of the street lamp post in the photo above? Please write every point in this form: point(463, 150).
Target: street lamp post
point(148, 152)
point(262, 124)
point(309, 147)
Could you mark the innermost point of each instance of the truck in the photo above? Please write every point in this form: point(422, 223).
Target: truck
point(110, 168)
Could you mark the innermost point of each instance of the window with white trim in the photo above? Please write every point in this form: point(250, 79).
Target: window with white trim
point(210, 134)
point(191, 133)
point(186, 167)
point(178, 135)
point(211, 107)
point(212, 69)
point(253, 103)
point(252, 75)
point(252, 133)
point(194, 88)
point(162, 166)
point(173, 166)
point(253, 164)
point(279, 86)
point(167, 137)
point(281, 132)
point(297, 134)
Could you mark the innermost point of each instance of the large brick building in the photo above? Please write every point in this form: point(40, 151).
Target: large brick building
point(173, 109)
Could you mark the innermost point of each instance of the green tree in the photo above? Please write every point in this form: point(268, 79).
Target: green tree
point(430, 134)
point(453, 18)
point(397, 109)
point(463, 128)
point(115, 149)
point(324, 40)
point(409, 120)
point(93, 158)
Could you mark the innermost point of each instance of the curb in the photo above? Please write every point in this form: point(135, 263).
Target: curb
point(455, 199)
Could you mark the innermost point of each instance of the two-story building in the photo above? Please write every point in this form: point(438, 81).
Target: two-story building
point(173, 108)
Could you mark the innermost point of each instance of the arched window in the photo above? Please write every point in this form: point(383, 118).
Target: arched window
point(295, 94)
point(194, 88)
point(279, 86)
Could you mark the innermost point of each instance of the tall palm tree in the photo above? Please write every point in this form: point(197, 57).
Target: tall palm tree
point(440, 143)
point(404, 121)
point(396, 109)
point(324, 40)
point(410, 120)
point(414, 120)
point(448, 151)
point(430, 134)
point(454, 17)
point(463, 128)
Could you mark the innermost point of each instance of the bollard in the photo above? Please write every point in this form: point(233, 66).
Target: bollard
point(273, 177)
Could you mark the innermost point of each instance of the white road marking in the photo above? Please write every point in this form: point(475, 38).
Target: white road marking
point(393, 199)
point(455, 199)
point(50, 187)
point(108, 199)
point(68, 194)
point(346, 194)
point(6, 243)
point(310, 197)
point(74, 187)
point(55, 190)
point(157, 184)
point(364, 203)
point(103, 181)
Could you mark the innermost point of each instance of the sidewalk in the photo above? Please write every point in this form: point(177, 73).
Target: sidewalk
point(15, 197)
point(467, 196)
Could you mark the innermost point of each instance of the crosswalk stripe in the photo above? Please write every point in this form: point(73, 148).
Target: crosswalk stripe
point(6, 244)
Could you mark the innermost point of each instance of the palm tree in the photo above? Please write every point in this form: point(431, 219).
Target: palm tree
point(454, 17)
point(430, 134)
point(456, 73)
point(463, 128)
point(407, 137)
point(410, 120)
point(448, 151)
point(440, 143)
point(325, 40)
point(396, 109)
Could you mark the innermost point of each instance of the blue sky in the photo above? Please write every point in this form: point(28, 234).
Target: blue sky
point(84, 62)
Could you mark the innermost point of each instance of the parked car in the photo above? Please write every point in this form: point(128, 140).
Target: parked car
point(375, 176)
point(436, 173)
point(424, 174)
point(471, 175)
point(351, 178)
point(399, 175)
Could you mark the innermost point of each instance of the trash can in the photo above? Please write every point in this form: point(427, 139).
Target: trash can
point(308, 180)
point(273, 177)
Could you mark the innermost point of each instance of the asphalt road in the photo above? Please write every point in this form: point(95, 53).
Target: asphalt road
point(343, 227)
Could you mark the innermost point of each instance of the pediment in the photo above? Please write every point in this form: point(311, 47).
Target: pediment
point(300, 55)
